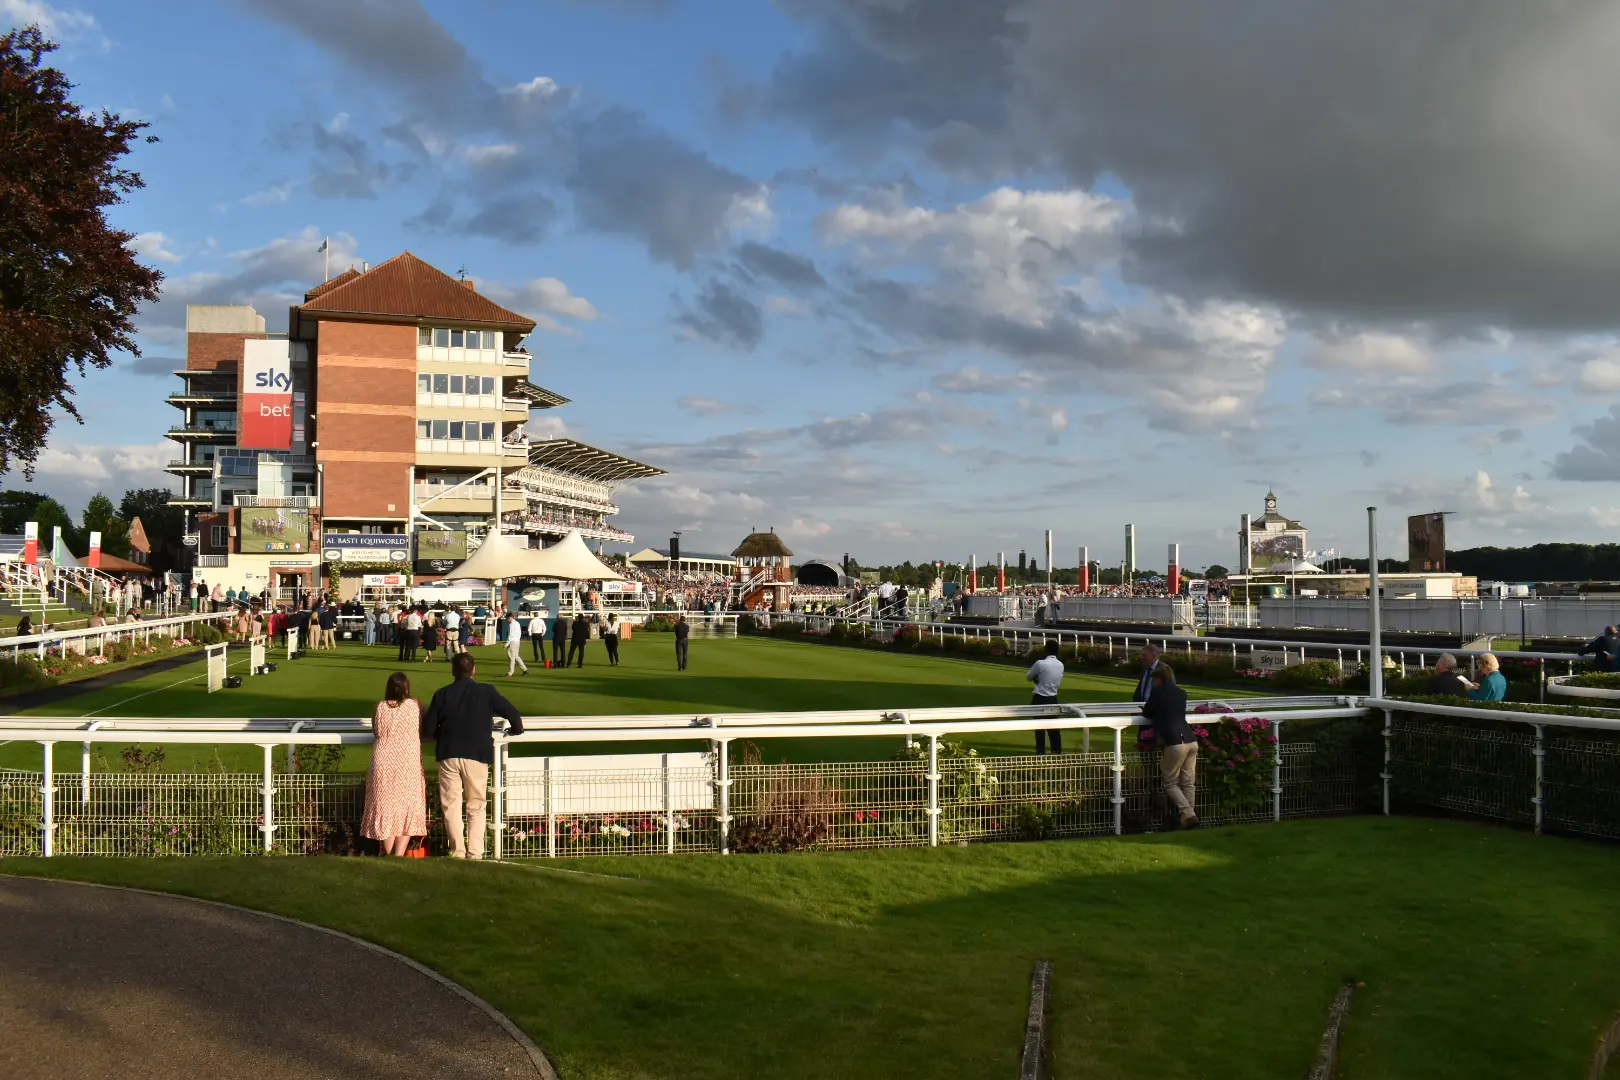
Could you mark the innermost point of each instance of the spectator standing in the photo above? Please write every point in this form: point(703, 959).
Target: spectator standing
point(559, 641)
point(373, 617)
point(1144, 689)
point(412, 635)
point(466, 633)
point(1166, 710)
point(460, 720)
point(610, 638)
point(1047, 675)
point(1445, 682)
point(514, 646)
point(1492, 685)
point(1605, 649)
point(430, 636)
point(683, 632)
point(396, 790)
point(537, 635)
point(217, 598)
point(580, 634)
point(328, 624)
point(452, 631)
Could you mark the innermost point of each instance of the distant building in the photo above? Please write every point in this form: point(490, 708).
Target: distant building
point(1273, 543)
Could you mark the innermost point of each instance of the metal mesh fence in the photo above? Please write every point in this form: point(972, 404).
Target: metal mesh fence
point(1488, 771)
point(609, 812)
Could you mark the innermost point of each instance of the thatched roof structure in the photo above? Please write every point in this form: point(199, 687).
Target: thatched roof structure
point(762, 545)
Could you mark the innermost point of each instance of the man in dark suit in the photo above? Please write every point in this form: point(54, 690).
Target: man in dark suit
point(1166, 711)
point(577, 639)
point(559, 640)
point(1605, 649)
point(460, 719)
point(683, 634)
point(1445, 682)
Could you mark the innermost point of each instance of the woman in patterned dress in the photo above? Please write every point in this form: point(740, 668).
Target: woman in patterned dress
point(396, 790)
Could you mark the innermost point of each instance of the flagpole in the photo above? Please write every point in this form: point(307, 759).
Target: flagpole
point(326, 246)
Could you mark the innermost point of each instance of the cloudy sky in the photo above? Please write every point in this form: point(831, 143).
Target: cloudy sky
point(916, 279)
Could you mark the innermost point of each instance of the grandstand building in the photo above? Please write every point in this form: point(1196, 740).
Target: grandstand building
point(384, 430)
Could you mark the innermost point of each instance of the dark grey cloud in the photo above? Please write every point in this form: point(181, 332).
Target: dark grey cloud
point(517, 219)
point(155, 366)
point(632, 179)
point(344, 168)
point(782, 267)
point(1597, 455)
point(1442, 159)
point(725, 316)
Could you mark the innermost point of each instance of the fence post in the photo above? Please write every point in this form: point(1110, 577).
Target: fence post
point(1389, 738)
point(497, 818)
point(1540, 752)
point(723, 784)
point(1276, 772)
point(551, 815)
point(669, 811)
point(1119, 780)
point(84, 795)
point(268, 792)
point(1541, 680)
point(933, 791)
point(47, 794)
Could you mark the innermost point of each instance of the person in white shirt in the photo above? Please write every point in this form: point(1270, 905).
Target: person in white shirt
point(1047, 675)
point(514, 645)
point(452, 631)
point(537, 636)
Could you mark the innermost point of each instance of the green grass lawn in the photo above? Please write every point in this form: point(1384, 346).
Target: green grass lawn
point(726, 675)
point(1485, 952)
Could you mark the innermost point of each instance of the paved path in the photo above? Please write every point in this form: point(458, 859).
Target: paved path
point(104, 982)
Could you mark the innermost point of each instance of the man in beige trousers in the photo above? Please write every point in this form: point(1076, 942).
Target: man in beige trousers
point(461, 721)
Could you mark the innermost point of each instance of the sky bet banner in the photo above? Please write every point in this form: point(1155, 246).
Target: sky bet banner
point(267, 400)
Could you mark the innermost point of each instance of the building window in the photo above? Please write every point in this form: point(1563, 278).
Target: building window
point(441, 384)
point(424, 335)
point(455, 428)
point(455, 384)
point(424, 429)
point(441, 337)
point(424, 384)
point(489, 432)
point(489, 339)
point(489, 385)
point(456, 339)
point(217, 537)
point(441, 429)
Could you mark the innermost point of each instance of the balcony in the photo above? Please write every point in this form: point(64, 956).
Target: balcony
point(516, 409)
point(515, 452)
point(516, 361)
point(193, 502)
point(213, 560)
point(309, 501)
point(214, 432)
point(448, 497)
point(202, 399)
point(190, 468)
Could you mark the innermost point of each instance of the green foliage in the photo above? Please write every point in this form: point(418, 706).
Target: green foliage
point(1597, 680)
point(164, 524)
point(658, 624)
point(1310, 675)
point(22, 672)
point(1034, 822)
point(1216, 570)
point(1236, 759)
point(69, 283)
point(137, 760)
point(100, 516)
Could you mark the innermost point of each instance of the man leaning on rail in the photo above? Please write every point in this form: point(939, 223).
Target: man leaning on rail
point(460, 720)
point(1166, 710)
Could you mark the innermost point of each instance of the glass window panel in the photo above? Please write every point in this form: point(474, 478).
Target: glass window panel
point(424, 429)
point(424, 335)
point(489, 384)
point(455, 429)
point(441, 384)
point(441, 429)
point(456, 339)
point(424, 384)
point(455, 384)
point(489, 339)
point(489, 433)
point(441, 337)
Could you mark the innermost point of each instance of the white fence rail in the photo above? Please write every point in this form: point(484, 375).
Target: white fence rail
point(98, 637)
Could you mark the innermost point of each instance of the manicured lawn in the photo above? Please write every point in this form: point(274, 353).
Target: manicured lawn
point(1214, 954)
point(726, 675)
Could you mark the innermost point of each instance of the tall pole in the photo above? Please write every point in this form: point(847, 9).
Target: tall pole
point(1085, 570)
point(1375, 651)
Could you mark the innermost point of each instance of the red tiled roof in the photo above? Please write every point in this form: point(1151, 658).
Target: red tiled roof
point(325, 287)
point(405, 287)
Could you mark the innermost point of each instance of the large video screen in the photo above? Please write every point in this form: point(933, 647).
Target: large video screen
point(267, 530)
point(1269, 552)
point(1426, 543)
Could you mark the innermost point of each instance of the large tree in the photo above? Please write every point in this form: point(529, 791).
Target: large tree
point(101, 516)
point(164, 524)
point(69, 285)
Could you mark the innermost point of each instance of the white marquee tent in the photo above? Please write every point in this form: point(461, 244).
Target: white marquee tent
point(503, 556)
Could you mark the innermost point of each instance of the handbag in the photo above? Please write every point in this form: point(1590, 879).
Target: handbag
point(417, 848)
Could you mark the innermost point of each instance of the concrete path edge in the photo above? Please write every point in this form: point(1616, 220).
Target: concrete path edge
point(542, 1064)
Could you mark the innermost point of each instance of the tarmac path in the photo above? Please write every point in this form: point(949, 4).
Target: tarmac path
point(99, 982)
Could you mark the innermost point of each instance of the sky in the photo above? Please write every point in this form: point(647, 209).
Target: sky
point(917, 280)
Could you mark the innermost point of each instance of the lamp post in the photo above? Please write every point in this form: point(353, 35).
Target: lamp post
point(1375, 651)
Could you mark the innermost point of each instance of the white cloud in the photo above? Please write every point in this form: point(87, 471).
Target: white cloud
point(786, 305)
point(1601, 375)
point(705, 406)
point(270, 196)
point(1372, 351)
point(66, 27)
point(539, 89)
point(155, 245)
point(72, 472)
point(540, 298)
point(490, 153)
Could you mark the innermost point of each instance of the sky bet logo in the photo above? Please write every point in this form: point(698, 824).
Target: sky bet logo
point(273, 381)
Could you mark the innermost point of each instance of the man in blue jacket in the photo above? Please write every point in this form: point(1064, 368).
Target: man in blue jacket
point(460, 719)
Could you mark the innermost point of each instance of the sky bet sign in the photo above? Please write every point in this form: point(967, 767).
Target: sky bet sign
point(267, 401)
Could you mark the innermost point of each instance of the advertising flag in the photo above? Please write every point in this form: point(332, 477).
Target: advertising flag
point(94, 558)
point(31, 542)
point(59, 551)
point(267, 400)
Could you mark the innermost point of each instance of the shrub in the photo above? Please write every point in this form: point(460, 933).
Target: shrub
point(907, 637)
point(660, 625)
point(23, 671)
point(1034, 822)
point(207, 634)
point(1312, 674)
point(747, 624)
point(1597, 680)
point(783, 812)
point(1235, 758)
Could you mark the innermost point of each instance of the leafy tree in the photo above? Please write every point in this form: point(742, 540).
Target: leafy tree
point(100, 516)
point(164, 524)
point(17, 507)
point(1216, 570)
point(69, 286)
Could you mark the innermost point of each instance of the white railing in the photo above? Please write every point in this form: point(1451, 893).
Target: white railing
point(204, 561)
point(711, 733)
point(277, 500)
point(79, 641)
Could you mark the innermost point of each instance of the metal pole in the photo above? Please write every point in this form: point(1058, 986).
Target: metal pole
point(933, 791)
point(1375, 645)
point(551, 815)
point(47, 793)
point(500, 792)
point(1387, 775)
point(724, 784)
point(669, 811)
point(1276, 773)
point(1119, 781)
point(268, 792)
point(1540, 752)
